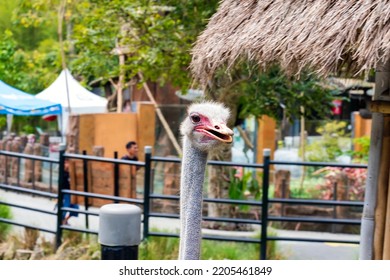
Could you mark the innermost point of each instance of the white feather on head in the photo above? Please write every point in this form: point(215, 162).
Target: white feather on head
point(215, 112)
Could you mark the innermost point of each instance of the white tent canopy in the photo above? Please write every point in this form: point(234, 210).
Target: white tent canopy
point(80, 101)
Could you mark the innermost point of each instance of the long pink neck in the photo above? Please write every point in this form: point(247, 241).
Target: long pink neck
point(191, 187)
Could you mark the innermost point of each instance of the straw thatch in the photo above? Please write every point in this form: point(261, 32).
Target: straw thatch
point(324, 35)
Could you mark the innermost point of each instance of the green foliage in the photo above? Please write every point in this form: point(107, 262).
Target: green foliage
point(258, 92)
point(361, 150)
point(5, 212)
point(31, 21)
point(28, 71)
point(159, 248)
point(327, 149)
point(26, 124)
point(156, 36)
point(28, 45)
point(3, 122)
point(243, 185)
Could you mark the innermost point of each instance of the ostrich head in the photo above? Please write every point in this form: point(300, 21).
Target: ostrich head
point(205, 126)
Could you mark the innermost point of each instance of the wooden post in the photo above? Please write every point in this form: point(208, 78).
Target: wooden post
point(146, 124)
point(382, 213)
point(98, 151)
point(282, 188)
point(7, 147)
point(386, 243)
point(15, 147)
point(28, 166)
point(266, 136)
point(381, 104)
point(37, 150)
point(370, 200)
point(362, 127)
point(119, 87)
point(374, 217)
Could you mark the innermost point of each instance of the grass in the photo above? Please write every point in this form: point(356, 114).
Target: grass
point(167, 248)
point(78, 246)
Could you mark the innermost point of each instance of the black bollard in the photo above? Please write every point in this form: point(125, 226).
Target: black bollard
point(119, 231)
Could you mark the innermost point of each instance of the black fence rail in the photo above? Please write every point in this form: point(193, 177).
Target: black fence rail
point(6, 158)
point(149, 196)
point(316, 202)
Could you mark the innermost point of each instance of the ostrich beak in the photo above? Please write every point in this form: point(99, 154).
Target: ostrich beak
point(218, 132)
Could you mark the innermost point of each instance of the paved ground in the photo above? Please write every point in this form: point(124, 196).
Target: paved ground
point(290, 250)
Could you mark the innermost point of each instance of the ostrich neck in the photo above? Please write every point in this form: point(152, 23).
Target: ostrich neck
point(191, 185)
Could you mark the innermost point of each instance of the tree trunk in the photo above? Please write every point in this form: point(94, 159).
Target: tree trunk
point(218, 182)
point(218, 176)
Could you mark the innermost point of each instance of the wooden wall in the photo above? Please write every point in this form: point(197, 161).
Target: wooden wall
point(113, 130)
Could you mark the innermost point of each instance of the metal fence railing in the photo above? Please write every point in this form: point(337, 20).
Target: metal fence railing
point(263, 205)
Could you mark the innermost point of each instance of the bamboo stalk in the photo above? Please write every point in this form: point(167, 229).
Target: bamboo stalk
point(380, 212)
point(386, 242)
point(303, 145)
point(366, 251)
point(381, 204)
point(382, 78)
point(375, 201)
point(384, 183)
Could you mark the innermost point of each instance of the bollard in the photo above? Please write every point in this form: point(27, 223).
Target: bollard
point(119, 231)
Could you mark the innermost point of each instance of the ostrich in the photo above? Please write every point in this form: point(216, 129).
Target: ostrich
point(203, 130)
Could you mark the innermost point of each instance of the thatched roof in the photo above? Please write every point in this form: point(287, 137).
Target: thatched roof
point(324, 35)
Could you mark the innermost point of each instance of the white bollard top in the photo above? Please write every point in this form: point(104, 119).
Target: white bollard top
point(120, 225)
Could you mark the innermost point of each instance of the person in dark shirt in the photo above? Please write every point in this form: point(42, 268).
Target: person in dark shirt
point(132, 151)
point(132, 155)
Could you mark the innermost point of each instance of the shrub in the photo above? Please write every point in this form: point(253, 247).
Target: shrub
point(362, 149)
point(328, 148)
point(243, 185)
point(5, 212)
point(355, 182)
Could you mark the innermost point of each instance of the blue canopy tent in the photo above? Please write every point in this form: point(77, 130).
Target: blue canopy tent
point(17, 102)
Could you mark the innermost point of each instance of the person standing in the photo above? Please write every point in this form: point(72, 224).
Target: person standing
point(66, 202)
point(132, 151)
point(132, 155)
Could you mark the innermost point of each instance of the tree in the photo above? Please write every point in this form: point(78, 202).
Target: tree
point(29, 21)
point(28, 55)
point(249, 91)
point(113, 41)
point(124, 38)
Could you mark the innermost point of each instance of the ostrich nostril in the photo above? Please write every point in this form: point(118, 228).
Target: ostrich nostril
point(216, 127)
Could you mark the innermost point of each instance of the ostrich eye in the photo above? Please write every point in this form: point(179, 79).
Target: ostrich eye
point(195, 118)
